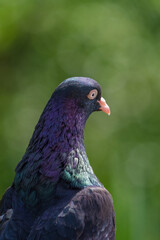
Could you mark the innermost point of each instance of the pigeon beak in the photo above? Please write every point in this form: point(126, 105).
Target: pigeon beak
point(103, 106)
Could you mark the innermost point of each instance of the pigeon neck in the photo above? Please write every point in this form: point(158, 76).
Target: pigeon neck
point(68, 159)
point(60, 127)
point(65, 142)
point(56, 152)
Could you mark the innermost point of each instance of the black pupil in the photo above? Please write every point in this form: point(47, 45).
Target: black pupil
point(92, 94)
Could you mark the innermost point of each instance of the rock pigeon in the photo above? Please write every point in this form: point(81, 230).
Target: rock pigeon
point(55, 193)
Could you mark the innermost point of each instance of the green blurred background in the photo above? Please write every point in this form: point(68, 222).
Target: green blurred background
point(118, 44)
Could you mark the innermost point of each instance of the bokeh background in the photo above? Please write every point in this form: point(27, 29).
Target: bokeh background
point(118, 44)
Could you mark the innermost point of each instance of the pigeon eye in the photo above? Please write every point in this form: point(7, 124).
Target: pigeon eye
point(92, 94)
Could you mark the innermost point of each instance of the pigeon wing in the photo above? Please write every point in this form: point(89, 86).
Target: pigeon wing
point(89, 215)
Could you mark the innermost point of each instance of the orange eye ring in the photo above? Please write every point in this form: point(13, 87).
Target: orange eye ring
point(92, 94)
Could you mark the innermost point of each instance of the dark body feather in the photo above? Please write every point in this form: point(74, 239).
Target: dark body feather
point(55, 193)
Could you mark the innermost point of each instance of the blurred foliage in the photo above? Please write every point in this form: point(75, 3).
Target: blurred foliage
point(118, 44)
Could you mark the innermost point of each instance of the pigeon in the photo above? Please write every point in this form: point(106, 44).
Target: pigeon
point(55, 194)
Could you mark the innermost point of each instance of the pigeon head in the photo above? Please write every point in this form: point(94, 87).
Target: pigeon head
point(82, 93)
point(65, 114)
